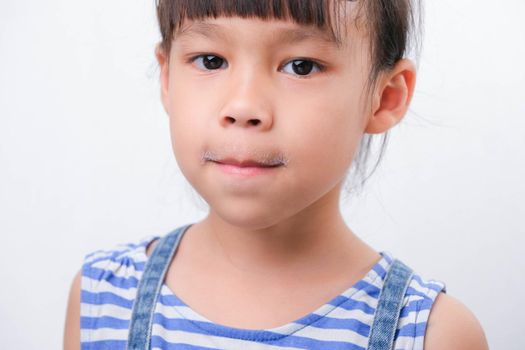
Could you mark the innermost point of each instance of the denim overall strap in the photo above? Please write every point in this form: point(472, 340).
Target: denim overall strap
point(389, 307)
point(148, 290)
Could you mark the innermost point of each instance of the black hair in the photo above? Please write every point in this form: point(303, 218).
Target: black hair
point(390, 25)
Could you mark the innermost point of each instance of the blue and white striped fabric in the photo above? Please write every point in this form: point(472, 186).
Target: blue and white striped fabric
point(109, 285)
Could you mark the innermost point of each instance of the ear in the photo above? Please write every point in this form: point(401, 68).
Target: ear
point(163, 61)
point(392, 97)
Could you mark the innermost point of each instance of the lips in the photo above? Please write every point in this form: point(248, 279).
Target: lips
point(247, 169)
point(232, 157)
point(245, 163)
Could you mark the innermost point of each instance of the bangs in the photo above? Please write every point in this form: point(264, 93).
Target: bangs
point(319, 13)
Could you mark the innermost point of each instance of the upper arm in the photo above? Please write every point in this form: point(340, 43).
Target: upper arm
point(72, 324)
point(452, 326)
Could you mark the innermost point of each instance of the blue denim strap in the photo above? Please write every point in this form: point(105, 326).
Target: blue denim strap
point(389, 307)
point(148, 290)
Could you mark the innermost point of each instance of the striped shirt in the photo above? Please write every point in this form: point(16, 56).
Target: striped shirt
point(109, 285)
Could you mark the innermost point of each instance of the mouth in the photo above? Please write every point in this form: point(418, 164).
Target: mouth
point(246, 169)
point(247, 163)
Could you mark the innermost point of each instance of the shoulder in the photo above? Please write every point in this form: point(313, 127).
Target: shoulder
point(116, 264)
point(430, 319)
point(418, 300)
point(72, 323)
point(111, 276)
point(105, 285)
point(452, 326)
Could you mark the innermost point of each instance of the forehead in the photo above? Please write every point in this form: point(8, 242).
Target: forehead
point(283, 32)
point(327, 27)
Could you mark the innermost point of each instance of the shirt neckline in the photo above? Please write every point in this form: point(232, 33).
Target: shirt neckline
point(378, 270)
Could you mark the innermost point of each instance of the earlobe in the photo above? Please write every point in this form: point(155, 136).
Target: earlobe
point(163, 61)
point(392, 97)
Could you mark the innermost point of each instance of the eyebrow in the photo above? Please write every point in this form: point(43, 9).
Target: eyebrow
point(284, 36)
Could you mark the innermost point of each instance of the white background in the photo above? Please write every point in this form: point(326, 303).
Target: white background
point(86, 161)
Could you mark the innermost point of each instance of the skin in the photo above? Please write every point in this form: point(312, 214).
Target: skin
point(280, 236)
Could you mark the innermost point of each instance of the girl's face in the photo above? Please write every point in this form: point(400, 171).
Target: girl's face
point(249, 89)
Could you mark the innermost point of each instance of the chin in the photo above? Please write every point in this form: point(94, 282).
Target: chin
point(247, 219)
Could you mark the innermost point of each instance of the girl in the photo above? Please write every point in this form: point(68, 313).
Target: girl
point(270, 103)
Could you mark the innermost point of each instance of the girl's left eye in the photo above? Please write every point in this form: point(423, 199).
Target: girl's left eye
point(303, 67)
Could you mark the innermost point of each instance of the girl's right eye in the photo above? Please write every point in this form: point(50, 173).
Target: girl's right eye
point(208, 62)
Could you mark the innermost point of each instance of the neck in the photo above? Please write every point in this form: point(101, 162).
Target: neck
point(316, 238)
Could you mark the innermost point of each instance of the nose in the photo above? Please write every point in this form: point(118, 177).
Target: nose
point(247, 101)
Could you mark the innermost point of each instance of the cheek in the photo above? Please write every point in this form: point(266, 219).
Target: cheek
point(328, 127)
point(327, 133)
point(186, 130)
